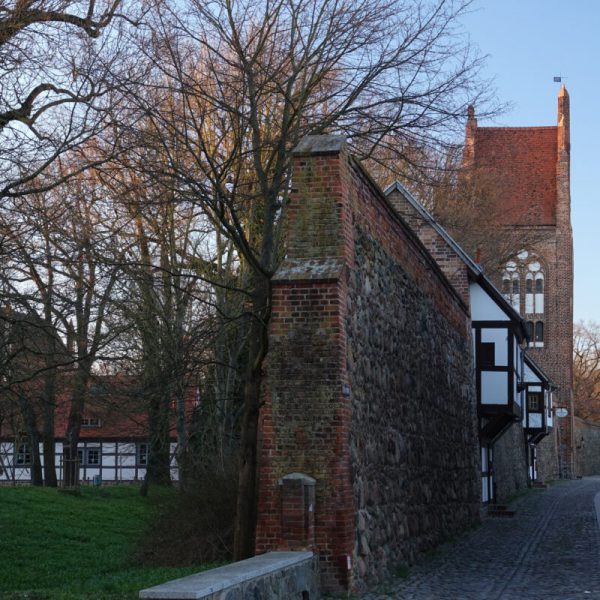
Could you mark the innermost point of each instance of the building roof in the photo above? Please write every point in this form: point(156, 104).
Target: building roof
point(538, 371)
point(115, 409)
point(474, 270)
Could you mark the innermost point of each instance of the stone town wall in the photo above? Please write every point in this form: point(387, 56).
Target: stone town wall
point(547, 456)
point(587, 443)
point(413, 440)
point(510, 463)
point(368, 387)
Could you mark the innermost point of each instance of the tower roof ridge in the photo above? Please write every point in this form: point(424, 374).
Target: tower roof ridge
point(518, 127)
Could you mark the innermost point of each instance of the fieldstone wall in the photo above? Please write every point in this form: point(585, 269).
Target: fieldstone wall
point(547, 456)
point(587, 443)
point(413, 438)
point(368, 387)
point(510, 463)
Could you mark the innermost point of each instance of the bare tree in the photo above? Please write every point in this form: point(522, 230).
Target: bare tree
point(586, 370)
point(31, 292)
point(57, 59)
point(240, 83)
point(60, 269)
point(165, 296)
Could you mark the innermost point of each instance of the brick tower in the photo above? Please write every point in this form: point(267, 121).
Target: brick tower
point(530, 168)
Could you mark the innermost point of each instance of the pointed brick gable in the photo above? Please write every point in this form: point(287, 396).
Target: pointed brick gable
point(523, 160)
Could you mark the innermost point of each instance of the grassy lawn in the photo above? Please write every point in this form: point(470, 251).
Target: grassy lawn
point(56, 546)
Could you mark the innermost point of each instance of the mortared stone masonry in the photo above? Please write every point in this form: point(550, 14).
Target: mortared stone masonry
point(368, 442)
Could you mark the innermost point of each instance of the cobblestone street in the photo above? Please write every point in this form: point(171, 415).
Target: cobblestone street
point(549, 550)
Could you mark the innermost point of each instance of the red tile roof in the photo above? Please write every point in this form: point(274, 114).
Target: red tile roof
point(522, 160)
point(115, 402)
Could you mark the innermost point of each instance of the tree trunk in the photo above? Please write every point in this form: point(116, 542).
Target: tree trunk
point(70, 455)
point(48, 431)
point(37, 478)
point(33, 439)
point(158, 470)
point(245, 522)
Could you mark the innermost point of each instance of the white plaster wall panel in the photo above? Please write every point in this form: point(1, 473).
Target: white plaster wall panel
point(529, 376)
point(21, 474)
point(127, 474)
point(535, 420)
point(127, 460)
point(494, 387)
point(498, 337)
point(108, 460)
point(483, 308)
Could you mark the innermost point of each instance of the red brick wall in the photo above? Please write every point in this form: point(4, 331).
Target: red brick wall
point(523, 162)
point(307, 411)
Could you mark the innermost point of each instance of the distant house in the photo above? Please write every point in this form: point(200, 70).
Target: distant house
point(113, 445)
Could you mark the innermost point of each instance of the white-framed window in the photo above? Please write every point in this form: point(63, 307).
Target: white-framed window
point(23, 454)
point(142, 452)
point(90, 456)
point(91, 422)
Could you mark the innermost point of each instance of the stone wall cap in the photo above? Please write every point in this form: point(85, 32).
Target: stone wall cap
point(320, 144)
point(309, 269)
point(214, 580)
point(307, 479)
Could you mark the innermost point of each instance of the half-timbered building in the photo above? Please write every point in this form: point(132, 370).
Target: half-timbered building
point(499, 334)
point(113, 443)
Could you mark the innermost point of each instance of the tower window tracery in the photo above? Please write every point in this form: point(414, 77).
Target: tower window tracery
point(526, 273)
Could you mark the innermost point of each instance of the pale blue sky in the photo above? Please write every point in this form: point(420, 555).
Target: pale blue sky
point(528, 43)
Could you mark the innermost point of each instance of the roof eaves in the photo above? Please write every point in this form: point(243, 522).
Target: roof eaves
point(538, 370)
point(473, 267)
point(475, 271)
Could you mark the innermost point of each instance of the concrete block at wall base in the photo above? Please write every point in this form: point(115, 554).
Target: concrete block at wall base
point(270, 576)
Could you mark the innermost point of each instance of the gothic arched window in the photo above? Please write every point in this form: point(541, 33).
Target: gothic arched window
point(511, 285)
point(534, 298)
point(523, 285)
